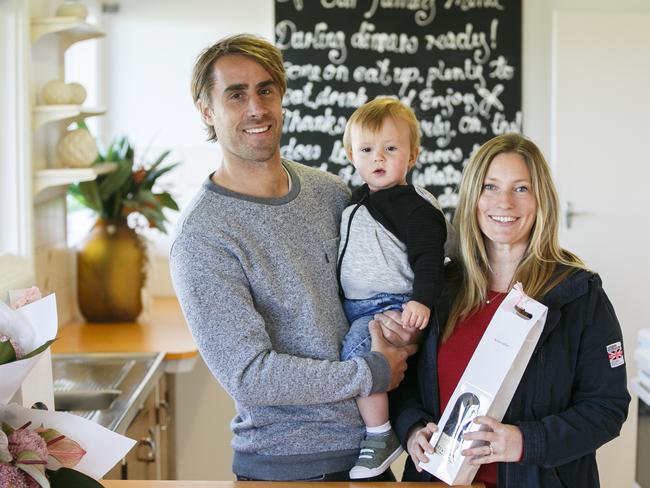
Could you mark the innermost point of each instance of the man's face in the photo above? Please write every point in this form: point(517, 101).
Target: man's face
point(245, 110)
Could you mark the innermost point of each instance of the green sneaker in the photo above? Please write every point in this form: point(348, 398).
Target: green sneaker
point(377, 453)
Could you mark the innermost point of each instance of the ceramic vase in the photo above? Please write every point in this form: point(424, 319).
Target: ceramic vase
point(111, 274)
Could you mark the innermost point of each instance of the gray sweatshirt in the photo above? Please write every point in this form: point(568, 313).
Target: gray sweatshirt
point(256, 279)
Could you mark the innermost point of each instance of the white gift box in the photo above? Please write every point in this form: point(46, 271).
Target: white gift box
point(487, 385)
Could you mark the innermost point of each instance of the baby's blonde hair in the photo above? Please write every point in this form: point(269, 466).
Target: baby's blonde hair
point(371, 116)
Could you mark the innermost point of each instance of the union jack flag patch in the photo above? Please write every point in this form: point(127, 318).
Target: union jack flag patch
point(615, 354)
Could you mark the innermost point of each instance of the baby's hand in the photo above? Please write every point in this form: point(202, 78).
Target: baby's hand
point(415, 315)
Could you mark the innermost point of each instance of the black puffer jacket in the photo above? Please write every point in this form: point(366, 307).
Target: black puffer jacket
point(570, 400)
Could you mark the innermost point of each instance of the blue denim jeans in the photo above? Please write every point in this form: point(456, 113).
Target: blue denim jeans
point(359, 313)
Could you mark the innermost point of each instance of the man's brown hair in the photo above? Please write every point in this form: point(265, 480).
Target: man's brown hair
point(258, 49)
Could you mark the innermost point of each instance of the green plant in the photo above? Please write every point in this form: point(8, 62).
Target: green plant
point(128, 189)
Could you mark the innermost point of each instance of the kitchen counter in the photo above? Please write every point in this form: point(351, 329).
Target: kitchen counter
point(266, 484)
point(163, 330)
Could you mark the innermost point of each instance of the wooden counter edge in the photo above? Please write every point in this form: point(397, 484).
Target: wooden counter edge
point(163, 330)
point(267, 484)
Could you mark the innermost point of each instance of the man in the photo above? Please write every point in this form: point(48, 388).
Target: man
point(254, 267)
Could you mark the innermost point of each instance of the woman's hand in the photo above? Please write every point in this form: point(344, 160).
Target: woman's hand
point(504, 442)
point(418, 445)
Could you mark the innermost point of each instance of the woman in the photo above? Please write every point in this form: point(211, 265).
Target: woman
point(572, 399)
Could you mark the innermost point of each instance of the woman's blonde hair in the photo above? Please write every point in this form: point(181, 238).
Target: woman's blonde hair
point(537, 270)
point(257, 48)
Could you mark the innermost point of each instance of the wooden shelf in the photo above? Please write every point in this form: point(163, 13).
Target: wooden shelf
point(71, 29)
point(43, 114)
point(47, 178)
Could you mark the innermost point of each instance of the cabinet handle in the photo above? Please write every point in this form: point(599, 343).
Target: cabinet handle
point(149, 444)
point(163, 406)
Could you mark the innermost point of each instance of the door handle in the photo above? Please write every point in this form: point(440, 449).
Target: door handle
point(568, 214)
point(163, 406)
point(148, 454)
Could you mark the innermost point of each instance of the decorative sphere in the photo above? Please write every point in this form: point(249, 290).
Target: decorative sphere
point(77, 93)
point(77, 149)
point(56, 92)
point(72, 9)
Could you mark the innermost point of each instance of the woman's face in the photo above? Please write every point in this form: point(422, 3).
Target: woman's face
point(506, 208)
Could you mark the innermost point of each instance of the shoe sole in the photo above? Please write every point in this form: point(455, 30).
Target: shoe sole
point(370, 473)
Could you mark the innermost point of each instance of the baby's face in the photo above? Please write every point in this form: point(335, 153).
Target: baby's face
point(384, 157)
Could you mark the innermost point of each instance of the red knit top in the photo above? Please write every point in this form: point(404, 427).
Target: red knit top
point(453, 357)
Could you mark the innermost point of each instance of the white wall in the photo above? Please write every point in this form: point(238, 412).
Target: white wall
point(150, 49)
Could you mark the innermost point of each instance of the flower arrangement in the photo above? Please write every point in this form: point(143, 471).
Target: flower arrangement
point(33, 457)
point(127, 190)
point(40, 457)
point(27, 329)
point(18, 337)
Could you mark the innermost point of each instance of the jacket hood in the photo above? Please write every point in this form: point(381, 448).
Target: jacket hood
point(572, 287)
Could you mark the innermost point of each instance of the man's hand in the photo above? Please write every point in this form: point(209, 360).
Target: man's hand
point(391, 326)
point(415, 315)
point(396, 356)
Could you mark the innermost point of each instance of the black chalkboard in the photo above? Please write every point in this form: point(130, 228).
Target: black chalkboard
point(457, 63)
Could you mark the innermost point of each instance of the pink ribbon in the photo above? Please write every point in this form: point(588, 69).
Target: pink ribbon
point(523, 299)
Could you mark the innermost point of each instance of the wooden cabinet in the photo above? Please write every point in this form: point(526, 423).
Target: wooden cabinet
point(153, 457)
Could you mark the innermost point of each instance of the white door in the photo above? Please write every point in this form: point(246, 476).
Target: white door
point(601, 146)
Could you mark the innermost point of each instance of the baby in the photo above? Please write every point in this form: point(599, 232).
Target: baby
point(391, 253)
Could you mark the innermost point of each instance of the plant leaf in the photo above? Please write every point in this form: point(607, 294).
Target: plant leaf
point(118, 149)
point(153, 176)
point(36, 472)
point(159, 160)
point(27, 456)
point(7, 353)
point(147, 198)
point(66, 451)
point(7, 429)
point(155, 217)
point(35, 468)
point(65, 478)
point(166, 200)
point(90, 191)
point(5, 455)
point(113, 181)
point(48, 434)
point(38, 350)
point(75, 192)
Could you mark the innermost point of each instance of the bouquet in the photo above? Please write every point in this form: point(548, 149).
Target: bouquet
point(25, 334)
point(29, 456)
point(16, 333)
point(39, 448)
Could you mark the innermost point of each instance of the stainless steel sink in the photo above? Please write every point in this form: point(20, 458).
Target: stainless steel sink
point(107, 388)
point(85, 400)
